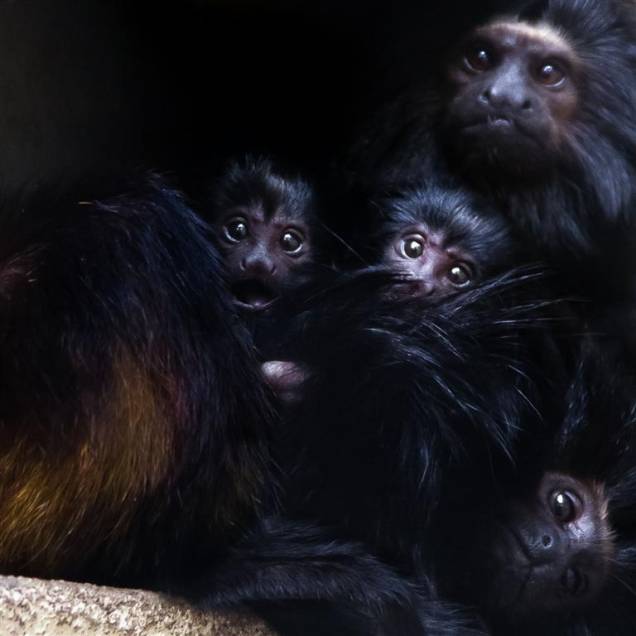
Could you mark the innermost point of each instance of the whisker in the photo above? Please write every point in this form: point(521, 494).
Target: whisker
point(343, 242)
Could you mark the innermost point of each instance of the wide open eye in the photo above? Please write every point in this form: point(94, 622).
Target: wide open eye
point(291, 241)
point(550, 74)
point(478, 58)
point(412, 246)
point(460, 275)
point(235, 229)
point(565, 505)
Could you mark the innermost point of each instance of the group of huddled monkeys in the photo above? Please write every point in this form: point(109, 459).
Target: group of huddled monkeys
point(423, 425)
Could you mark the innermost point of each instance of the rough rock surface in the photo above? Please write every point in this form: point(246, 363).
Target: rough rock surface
point(32, 607)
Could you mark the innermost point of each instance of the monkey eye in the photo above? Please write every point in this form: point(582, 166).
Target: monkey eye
point(460, 275)
point(478, 58)
point(291, 241)
point(574, 582)
point(412, 246)
point(235, 230)
point(550, 74)
point(564, 505)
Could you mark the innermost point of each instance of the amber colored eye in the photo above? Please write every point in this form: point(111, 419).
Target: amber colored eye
point(460, 275)
point(235, 230)
point(412, 247)
point(550, 74)
point(478, 58)
point(564, 505)
point(291, 241)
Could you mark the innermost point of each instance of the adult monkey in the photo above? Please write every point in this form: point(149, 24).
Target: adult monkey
point(538, 110)
point(541, 113)
point(134, 421)
point(426, 397)
point(553, 553)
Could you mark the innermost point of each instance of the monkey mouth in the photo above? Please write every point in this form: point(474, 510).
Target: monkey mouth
point(500, 121)
point(411, 287)
point(253, 294)
point(503, 127)
point(492, 123)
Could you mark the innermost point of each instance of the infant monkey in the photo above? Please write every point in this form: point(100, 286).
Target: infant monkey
point(442, 239)
point(265, 221)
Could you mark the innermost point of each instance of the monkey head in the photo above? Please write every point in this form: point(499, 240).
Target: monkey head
point(264, 222)
point(513, 94)
point(442, 239)
point(552, 551)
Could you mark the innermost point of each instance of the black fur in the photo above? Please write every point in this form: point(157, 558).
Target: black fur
point(409, 404)
point(593, 181)
point(405, 398)
point(135, 425)
point(576, 212)
point(464, 218)
point(252, 187)
point(595, 444)
point(120, 367)
point(257, 181)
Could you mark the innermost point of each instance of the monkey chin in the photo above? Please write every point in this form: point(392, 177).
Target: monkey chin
point(501, 143)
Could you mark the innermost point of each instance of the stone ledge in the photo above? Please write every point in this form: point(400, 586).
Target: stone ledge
point(33, 607)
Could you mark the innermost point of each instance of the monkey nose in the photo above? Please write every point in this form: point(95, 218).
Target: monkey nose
point(258, 266)
point(545, 547)
point(506, 100)
point(416, 286)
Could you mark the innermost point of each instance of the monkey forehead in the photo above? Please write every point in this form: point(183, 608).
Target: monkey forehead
point(259, 216)
point(511, 34)
point(437, 237)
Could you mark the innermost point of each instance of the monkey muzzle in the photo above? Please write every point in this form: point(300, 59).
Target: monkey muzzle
point(254, 294)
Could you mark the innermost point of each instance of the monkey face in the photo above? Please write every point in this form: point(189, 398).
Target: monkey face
point(442, 239)
point(513, 91)
point(432, 268)
point(264, 254)
point(551, 553)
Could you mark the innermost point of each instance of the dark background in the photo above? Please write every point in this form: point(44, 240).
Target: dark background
point(177, 85)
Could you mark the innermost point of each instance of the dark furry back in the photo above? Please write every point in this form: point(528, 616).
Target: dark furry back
point(134, 420)
point(405, 396)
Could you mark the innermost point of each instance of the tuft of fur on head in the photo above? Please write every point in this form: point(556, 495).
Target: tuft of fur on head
point(259, 182)
point(598, 423)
